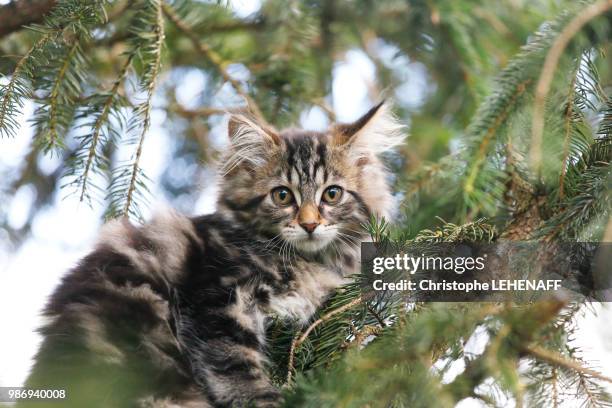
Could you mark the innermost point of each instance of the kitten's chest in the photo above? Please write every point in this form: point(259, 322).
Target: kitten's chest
point(310, 286)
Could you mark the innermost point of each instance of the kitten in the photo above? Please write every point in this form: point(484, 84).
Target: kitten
point(173, 313)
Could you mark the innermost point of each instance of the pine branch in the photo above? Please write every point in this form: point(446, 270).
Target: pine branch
point(548, 70)
point(215, 59)
point(329, 112)
point(301, 338)
point(19, 86)
point(17, 13)
point(518, 328)
point(587, 193)
point(477, 231)
point(484, 182)
point(428, 177)
point(91, 144)
point(257, 24)
point(483, 147)
point(555, 387)
point(62, 79)
point(341, 324)
point(51, 132)
point(557, 359)
point(584, 382)
point(568, 127)
point(380, 320)
point(153, 20)
point(400, 359)
point(60, 70)
point(204, 111)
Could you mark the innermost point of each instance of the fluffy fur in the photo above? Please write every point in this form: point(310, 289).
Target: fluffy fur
point(173, 313)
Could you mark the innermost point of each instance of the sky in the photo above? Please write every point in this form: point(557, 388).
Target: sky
point(65, 231)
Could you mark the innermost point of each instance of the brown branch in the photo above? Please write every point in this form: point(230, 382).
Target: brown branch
point(215, 59)
point(16, 14)
point(291, 358)
point(477, 370)
point(321, 103)
point(119, 10)
point(329, 315)
point(360, 335)
point(559, 360)
point(299, 339)
point(548, 72)
point(555, 396)
point(121, 36)
point(585, 387)
point(237, 25)
point(203, 111)
point(377, 316)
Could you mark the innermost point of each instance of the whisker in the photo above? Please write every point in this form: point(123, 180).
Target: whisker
point(358, 232)
point(349, 238)
point(273, 242)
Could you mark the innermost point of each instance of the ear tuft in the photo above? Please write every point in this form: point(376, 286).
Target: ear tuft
point(344, 131)
point(239, 123)
point(376, 132)
point(250, 143)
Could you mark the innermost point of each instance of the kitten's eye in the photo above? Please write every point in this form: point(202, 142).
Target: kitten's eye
point(332, 194)
point(282, 196)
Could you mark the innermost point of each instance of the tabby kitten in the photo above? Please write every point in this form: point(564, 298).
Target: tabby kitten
point(173, 313)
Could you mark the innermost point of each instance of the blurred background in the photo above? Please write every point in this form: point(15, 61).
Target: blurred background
point(304, 63)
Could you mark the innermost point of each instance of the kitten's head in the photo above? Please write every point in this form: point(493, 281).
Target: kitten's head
point(309, 189)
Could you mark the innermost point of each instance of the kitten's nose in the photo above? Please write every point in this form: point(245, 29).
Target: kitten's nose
point(309, 226)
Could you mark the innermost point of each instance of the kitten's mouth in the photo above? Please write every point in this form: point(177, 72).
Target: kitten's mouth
point(311, 243)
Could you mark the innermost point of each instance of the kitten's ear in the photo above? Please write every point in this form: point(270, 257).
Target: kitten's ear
point(375, 132)
point(241, 125)
point(250, 142)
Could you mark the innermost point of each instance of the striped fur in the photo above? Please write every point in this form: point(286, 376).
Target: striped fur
point(173, 313)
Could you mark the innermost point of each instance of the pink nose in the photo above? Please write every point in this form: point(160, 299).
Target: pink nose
point(309, 226)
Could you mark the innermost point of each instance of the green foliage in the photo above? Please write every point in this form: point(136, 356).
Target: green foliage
point(18, 87)
point(105, 117)
point(388, 361)
point(587, 202)
point(128, 185)
point(59, 52)
point(97, 71)
point(366, 315)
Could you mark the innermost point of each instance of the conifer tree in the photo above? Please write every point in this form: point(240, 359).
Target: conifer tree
point(510, 141)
